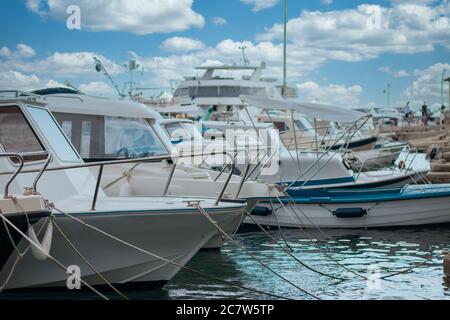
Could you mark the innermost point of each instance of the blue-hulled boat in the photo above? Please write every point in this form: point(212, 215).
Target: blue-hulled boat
point(359, 208)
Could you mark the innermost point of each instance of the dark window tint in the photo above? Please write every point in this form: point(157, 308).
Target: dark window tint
point(16, 134)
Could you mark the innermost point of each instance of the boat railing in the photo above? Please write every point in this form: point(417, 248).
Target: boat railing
point(18, 94)
point(347, 136)
point(21, 157)
point(102, 164)
point(306, 141)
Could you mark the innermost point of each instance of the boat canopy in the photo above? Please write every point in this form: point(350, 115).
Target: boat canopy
point(314, 110)
point(84, 104)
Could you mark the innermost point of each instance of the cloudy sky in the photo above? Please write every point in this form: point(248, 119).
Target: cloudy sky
point(340, 52)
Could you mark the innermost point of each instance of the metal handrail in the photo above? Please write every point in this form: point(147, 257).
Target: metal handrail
point(44, 167)
point(15, 173)
point(348, 132)
point(152, 159)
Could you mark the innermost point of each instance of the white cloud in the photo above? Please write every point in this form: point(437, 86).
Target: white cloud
point(68, 65)
point(175, 66)
point(395, 73)
point(331, 94)
point(258, 5)
point(19, 81)
point(361, 34)
point(134, 16)
point(327, 2)
point(219, 21)
point(97, 88)
point(5, 52)
point(181, 44)
point(22, 51)
point(427, 86)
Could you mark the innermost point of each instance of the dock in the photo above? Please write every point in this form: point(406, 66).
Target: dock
point(434, 140)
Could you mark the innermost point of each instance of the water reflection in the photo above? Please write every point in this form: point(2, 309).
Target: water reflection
point(368, 253)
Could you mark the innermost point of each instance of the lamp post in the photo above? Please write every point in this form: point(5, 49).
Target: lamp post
point(448, 80)
point(444, 73)
point(388, 93)
point(284, 90)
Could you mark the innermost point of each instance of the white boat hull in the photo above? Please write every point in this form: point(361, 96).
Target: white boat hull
point(380, 215)
point(176, 237)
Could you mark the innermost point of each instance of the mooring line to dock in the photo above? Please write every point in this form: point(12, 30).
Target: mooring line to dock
point(50, 256)
point(88, 263)
point(278, 222)
point(288, 252)
point(207, 216)
point(19, 255)
point(318, 245)
point(318, 240)
point(413, 267)
point(200, 273)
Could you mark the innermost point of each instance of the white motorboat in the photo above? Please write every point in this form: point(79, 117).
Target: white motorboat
point(144, 241)
point(360, 208)
point(112, 129)
point(323, 169)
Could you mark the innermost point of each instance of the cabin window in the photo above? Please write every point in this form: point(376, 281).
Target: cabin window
point(251, 91)
point(207, 92)
point(131, 138)
point(85, 145)
point(281, 126)
point(67, 128)
point(53, 134)
point(299, 125)
point(16, 134)
point(181, 92)
point(179, 132)
point(98, 137)
point(86, 133)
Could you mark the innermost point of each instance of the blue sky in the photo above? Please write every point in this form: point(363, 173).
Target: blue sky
point(340, 52)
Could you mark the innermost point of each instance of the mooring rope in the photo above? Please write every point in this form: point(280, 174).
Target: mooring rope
point(196, 205)
point(167, 260)
point(88, 263)
point(288, 251)
point(19, 255)
point(50, 256)
point(320, 243)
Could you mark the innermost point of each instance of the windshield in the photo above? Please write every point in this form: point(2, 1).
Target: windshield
point(53, 134)
point(182, 132)
point(131, 138)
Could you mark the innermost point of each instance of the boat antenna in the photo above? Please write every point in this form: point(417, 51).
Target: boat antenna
point(99, 67)
point(284, 90)
point(388, 93)
point(243, 48)
point(131, 66)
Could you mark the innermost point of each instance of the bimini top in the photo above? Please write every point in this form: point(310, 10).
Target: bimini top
point(84, 104)
point(314, 110)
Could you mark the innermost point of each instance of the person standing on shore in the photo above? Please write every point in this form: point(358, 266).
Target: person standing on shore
point(407, 112)
point(425, 114)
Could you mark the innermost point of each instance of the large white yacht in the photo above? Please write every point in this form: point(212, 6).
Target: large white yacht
point(220, 87)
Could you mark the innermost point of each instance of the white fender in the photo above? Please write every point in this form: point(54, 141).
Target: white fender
point(46, 244)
